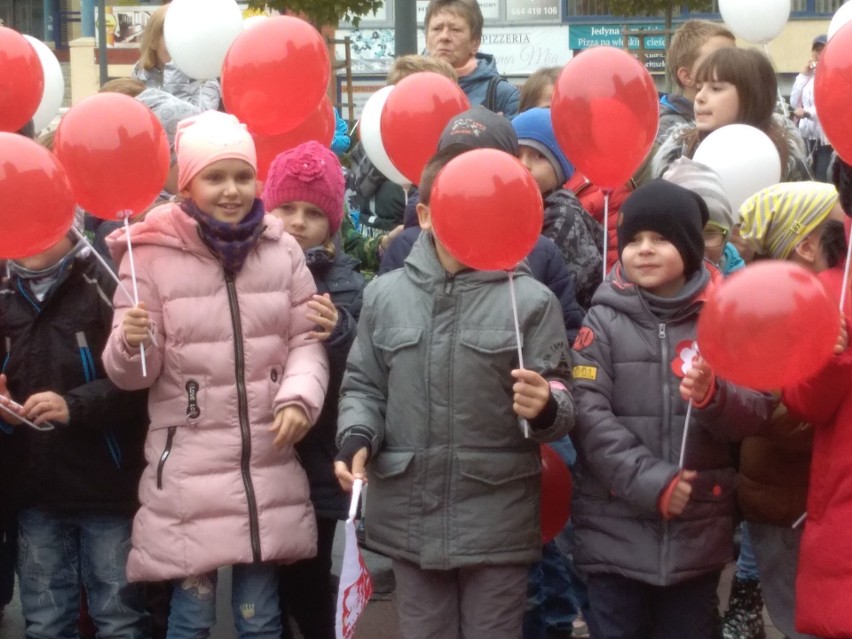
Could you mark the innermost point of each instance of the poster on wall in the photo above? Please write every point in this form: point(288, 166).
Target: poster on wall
point(533, 10)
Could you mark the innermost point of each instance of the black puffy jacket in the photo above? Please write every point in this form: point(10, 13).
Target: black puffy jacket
point(93, 463)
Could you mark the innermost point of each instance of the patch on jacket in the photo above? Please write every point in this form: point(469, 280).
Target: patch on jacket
point(586, 372)
point(685, 352)
point(584, 338)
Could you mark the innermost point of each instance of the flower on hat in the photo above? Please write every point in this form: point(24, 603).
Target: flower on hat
point(305, 166)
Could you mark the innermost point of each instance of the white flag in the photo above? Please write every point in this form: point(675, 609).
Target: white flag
point(356, 585)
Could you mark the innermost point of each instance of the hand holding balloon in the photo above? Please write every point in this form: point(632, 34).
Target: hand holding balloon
point(697, 382)
point(676, 496)
point(137, 326)
point(531, 392)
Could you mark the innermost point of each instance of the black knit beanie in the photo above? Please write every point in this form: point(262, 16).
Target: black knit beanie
point(679, 215)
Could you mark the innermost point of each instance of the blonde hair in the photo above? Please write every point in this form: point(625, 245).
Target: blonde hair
point(407, 65)
point(151, 37)
point(534, 87)
point(687, 40)
point(126, 86)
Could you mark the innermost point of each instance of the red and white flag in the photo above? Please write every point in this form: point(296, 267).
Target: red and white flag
point(356, 585)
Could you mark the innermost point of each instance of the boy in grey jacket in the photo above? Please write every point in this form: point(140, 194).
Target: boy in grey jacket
point(431, 398)
point(652, 536)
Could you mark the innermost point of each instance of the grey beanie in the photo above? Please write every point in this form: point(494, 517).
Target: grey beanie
point(705, 182)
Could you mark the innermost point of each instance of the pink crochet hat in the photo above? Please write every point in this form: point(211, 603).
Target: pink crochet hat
point(308, 173)
point(207, 138)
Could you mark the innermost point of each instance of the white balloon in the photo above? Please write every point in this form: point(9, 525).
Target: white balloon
point(54, 85)
point(755, 20)
point(744, 157)
point(842, 16)
point(252, 21)
point(371, 136)
point(198, 34)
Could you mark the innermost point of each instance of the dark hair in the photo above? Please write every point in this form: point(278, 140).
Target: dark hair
point(535, 86)
point(833, 242)
point(434, 166)
point(467, 9)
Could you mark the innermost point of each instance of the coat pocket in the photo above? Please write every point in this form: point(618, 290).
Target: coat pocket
point(391, 500)
point(395, 338)
point(389, 464)
point(495, 504)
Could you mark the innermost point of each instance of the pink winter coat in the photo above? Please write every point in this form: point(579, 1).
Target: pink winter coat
point(215, 491)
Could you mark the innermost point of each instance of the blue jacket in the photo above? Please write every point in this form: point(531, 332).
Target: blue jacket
point(545, 261)
point(475, 86)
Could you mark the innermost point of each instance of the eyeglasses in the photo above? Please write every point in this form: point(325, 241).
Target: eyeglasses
point(714, 238)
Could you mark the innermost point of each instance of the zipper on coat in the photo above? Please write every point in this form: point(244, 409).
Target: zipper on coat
point(166, 452)
point(242, 404)
point(666, 432)
point(449, 280)
point(8, 342)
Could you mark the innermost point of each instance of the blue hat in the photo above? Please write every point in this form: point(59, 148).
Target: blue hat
point(535, 130)
point(820, 40)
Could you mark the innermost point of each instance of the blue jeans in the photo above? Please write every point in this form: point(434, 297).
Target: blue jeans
point(56, 554)
point(746, 561)
point(551, 602)
point(254, 600)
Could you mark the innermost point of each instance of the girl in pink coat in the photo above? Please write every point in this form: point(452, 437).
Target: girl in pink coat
point(236, 377)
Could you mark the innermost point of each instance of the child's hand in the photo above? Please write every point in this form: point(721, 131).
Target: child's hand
point(136, 326)
point(697, 382)
point(46, 407)
point(347, 473)
point(675, 498)
point(291, 424)
point(324, 315)
point(842, 338)
point(531, 393)
point(9, 403)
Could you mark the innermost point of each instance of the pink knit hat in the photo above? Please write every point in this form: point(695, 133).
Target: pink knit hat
point(308, 173)
point(207, 138)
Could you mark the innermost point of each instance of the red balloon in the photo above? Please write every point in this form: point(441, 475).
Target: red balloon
point(36, 204)
point(414, 116)
point(833, 91)
point(115, 153)
point(21, 80)
point(556, 489)
point(605, 113)
point(493, 221)
point(319, 127)
point(770, 325)
point(275, 74)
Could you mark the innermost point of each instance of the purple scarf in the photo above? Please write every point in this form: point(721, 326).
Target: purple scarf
point(230, 243)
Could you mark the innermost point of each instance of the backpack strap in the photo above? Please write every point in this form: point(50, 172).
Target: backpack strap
point(491, 93)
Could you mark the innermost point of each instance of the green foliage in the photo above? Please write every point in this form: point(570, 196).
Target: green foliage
point(652, 7)
point(321, 12)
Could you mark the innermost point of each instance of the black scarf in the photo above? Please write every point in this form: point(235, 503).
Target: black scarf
point(230, 243)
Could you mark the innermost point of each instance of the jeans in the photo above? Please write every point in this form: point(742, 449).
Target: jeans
point(254, 600)
point(551, 602)
point(746, 561)
point(8, 557)
point(58, 553)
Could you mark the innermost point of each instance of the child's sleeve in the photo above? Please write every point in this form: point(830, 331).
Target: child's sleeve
point(306, 369)
point(364, 392)
point(546, 351)
point(615, 455)
point(99, 405)
point(818, 398)
point(735, 412)
point(122, 362)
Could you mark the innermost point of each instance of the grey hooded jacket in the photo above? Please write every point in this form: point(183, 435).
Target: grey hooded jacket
point(475, 86)
point(630, 426)
point(453, 482)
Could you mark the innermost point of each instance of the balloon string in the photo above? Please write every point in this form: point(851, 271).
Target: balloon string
point(800, 520)
point(135, 286)
point(525, 425)
point(605, 231)
point(780, 97)
point(685, 433)
point(108, 269)
point(846, 272)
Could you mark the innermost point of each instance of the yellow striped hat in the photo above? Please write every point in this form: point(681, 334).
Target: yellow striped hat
point(777, 218)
